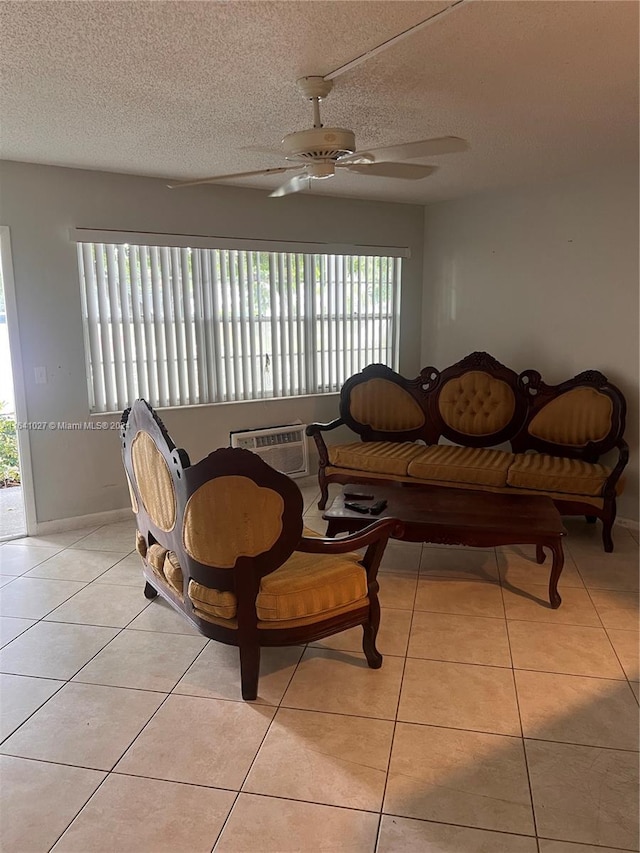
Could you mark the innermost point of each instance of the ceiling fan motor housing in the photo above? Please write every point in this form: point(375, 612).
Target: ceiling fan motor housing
point(322, 143)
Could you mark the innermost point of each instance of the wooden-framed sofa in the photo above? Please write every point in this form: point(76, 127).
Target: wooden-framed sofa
point(556, 434)
point(223, 542)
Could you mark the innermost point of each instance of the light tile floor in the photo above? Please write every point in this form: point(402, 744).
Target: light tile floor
point(496, 725)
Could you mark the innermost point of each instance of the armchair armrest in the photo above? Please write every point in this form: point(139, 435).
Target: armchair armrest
point(375, 537)
point(383, 528)
point(316, 431)
point(623, 458)
point(313, 429)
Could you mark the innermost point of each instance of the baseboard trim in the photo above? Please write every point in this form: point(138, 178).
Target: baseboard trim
point(96, 519)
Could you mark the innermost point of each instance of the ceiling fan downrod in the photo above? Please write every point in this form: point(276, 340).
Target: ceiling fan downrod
point(316, 113)
point(315, 88)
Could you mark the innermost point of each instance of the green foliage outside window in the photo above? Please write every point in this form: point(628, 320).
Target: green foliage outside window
point(9, 461)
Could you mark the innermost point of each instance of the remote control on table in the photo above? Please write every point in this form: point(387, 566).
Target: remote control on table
point(377, 507)
point(357, 496)
point(356, 507)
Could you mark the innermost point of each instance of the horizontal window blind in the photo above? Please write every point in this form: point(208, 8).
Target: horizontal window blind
point(189, 326)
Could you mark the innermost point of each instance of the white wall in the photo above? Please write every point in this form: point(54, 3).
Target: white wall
point(543, 278)
point(77, 473)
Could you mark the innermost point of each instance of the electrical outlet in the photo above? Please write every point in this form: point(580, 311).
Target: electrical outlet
point(41, 375)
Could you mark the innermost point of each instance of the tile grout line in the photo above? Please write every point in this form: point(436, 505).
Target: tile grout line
point(108, 772)
point(395, 720)
point(277, 708)
point(515, 690)
point(406, 657)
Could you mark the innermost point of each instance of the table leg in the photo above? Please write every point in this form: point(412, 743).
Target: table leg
point(556, 569)
point(539, 554)
point(332, 529)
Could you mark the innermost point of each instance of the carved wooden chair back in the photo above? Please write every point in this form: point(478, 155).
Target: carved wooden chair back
point(229, 519)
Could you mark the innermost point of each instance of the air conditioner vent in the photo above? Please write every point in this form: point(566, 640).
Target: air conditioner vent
point(284, 448)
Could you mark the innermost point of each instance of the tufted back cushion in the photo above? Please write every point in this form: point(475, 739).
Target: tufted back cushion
point(154, 482)
point(476, 403)
point(385, 406)
point(231, 517)
point(574, 418)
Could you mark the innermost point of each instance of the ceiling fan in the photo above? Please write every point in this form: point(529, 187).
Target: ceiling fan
point(318, 153)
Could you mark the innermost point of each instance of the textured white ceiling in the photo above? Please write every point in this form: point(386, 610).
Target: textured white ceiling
point(180, 89)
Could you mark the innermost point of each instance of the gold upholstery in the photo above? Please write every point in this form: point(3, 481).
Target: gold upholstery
point(311, 585)
point(461, 465)
point(141, 544)
point(574, 418)
point(540, 472)
point(173, 572)
point(496, 490)
point(231, 517)
point(383, 405)
point(155, 557)
point(132, 495)
point(381, 457)
point(476, 403)
point(154, 482)
point(283, 624)
point(217, 602)
point(307, 585)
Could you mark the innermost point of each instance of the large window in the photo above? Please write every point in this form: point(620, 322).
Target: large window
point(179, 325)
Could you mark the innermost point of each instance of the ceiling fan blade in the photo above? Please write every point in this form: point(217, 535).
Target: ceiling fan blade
point(409, 150)
point(410, 171)
point(217, 178)
point(294, 185)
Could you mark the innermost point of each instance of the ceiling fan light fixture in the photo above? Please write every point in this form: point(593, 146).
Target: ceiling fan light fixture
point(320, 170)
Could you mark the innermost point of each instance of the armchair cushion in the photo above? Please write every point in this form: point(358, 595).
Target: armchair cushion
point(311, 585)
point(379, 457)
point(173, 573)
point(215, 602)
point(477, 465)
point(544, 473)
point(155, 557)
point(306, 585)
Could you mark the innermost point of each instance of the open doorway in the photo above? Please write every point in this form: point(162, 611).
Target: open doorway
point(13, 521)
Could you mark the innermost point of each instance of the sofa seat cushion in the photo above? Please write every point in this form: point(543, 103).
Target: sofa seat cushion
point(543, 473)
point(307, 585)
point(476, 465)
point(378, 457)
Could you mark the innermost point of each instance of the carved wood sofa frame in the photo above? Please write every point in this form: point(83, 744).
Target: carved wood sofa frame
point(530, 396)
point(161, 522)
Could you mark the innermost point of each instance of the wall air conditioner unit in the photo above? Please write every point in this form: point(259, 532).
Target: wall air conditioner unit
point(284, 447)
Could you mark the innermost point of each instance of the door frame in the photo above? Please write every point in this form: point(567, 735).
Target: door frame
point(13, 327)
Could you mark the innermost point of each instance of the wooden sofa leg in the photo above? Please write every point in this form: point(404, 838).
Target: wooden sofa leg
point(370, 628)
point(249, 671)
point(149, 591)
point(324, 490)
point(591, 519)
point(608, 518)
point(374, 658)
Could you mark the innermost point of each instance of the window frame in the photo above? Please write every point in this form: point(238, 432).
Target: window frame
point(319, 328)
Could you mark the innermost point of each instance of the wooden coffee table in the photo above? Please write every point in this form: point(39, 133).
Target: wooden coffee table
point(448, 516)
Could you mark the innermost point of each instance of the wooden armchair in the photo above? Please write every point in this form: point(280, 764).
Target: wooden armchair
point(222, 541)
